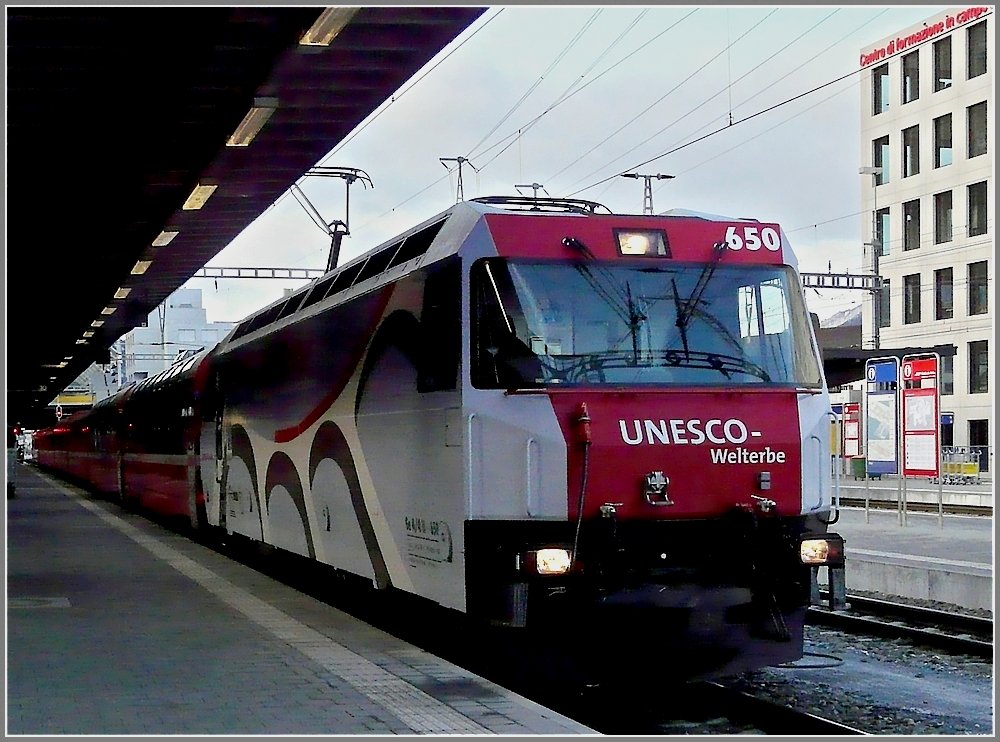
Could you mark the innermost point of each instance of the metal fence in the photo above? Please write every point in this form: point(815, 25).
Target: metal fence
point(960, 465)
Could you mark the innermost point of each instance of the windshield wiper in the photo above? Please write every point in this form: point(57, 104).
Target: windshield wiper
point(684, 313)
point(635, 320)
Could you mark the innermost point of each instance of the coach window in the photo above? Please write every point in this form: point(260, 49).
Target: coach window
point(942, 64)
point(976, 49)
point(911, 76)
point(880, 89)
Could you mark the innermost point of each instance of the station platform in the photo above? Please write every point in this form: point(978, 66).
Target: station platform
point(117, 626)
point(918, 555)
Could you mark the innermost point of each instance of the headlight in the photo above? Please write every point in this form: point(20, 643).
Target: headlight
point(549, 561)
point(642, 242)
point(820, 550)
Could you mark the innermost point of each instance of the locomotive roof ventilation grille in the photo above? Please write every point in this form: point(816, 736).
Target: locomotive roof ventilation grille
point(341, 279)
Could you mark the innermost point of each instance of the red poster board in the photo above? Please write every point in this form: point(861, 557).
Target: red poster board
point(852, 430)
point(921, 413)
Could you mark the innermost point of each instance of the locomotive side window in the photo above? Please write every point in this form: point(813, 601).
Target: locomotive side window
point(536, 324)
point(440, 322)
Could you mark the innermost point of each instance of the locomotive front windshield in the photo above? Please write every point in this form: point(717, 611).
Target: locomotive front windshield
point(540, 324)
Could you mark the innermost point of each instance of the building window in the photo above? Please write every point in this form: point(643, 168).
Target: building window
point(978, 294)
point(977, 209)
point(979, 440)
point(884, 310)
point(880, 156)
point(976, 117)
point(882, 230)
point(911, 299)
point(880, 89)
point(947, 374)
point(911, 151)
point(944, 307)
point(911, 76)
point(976, 46)
point(942, 217)
point(942, 64)
point(979, 367)
point(911, 224)
point(942, 140)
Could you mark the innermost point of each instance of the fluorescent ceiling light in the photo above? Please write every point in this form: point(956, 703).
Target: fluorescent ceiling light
point(141, 267)
point(109, 310)
point(253, 122)
point(330, 23)
point(88, 334)
point(164, 238)
point(81, 342)
point(97, 323)
point(122, 293)
point(199, 196)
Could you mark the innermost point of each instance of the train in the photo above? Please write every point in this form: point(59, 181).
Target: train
point(550, 418)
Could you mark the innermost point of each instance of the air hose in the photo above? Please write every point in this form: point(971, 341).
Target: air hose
point(584, 438)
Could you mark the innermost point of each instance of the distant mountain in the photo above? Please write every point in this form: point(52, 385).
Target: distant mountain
point(844, 318)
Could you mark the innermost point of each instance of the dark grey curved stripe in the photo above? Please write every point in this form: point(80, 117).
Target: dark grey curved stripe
point(399, 330)
point(330, 443)
point(281, 470)
point(243, 449)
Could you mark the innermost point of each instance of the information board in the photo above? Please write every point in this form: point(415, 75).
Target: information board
point(882, 415)
point(921, 416)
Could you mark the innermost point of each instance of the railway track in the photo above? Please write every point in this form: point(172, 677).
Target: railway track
point(953, 632)
point(918, 507)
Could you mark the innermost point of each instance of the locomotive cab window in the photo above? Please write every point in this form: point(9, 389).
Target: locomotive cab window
point(538, 324)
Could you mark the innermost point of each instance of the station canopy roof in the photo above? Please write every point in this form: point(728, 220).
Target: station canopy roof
point(116, 114)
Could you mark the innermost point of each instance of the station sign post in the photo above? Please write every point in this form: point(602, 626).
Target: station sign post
point(881, 420)
point(921, 421)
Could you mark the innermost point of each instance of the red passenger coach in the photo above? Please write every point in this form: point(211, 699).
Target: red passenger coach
point(531, 411)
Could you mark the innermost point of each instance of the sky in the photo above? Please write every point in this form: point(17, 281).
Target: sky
point(755, 111)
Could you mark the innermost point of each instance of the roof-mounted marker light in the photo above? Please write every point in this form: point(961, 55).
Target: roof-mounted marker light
point(330, 23)
point(201, 193)
point(253, 122)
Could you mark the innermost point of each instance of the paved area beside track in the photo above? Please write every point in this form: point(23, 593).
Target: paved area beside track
point(919, 555)
point(116, 626)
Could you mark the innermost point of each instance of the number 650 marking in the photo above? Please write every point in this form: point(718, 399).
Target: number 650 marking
point(752, 238)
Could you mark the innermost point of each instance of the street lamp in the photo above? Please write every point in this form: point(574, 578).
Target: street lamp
point(876, 244)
